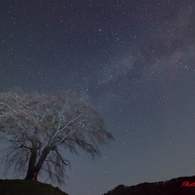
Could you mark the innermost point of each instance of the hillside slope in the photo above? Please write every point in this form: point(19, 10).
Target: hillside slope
point(24, 187)
point(176, 186)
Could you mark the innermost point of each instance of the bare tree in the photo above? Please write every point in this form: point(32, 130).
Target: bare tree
point(38, 128)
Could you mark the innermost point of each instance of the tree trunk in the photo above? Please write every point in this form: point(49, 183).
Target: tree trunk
point(44, 154)
point(30, 174)
point(31, 166)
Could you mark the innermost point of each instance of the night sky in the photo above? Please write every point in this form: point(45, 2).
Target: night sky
point(134, 60)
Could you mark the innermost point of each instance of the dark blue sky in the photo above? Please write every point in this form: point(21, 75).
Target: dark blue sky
point(135, 62)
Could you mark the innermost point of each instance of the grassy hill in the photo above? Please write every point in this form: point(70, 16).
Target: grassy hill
point(24, 187)
point(176, 186)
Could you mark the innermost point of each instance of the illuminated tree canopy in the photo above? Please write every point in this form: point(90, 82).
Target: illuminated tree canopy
point(38, 128)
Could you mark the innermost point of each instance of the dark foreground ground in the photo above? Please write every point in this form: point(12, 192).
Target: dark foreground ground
point(176, 186)
point(23, 187)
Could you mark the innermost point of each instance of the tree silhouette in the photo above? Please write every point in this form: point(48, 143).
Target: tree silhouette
point(38, 128)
